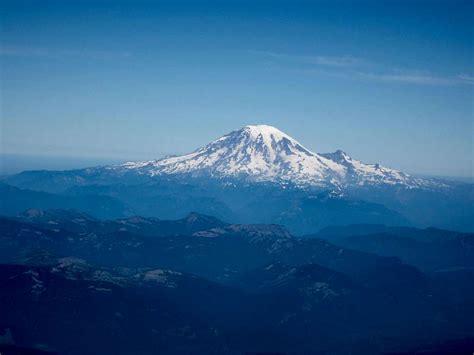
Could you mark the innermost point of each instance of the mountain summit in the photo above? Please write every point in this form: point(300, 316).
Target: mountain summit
point(264, 153)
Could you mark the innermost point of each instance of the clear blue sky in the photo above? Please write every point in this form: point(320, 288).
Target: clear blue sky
point(386, 81)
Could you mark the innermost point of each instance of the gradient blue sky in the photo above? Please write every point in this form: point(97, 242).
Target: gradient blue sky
point(387, 81)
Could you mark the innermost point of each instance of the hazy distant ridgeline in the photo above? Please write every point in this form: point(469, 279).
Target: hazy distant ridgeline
point(257, 174)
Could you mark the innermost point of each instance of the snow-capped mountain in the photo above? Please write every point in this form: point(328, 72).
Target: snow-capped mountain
point(264, 153)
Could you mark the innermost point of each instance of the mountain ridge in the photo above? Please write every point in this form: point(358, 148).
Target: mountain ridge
point(262, 153)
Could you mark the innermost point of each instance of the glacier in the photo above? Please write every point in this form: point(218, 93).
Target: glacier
point(262, 153)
